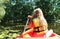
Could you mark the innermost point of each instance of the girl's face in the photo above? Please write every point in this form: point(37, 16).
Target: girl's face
point(36, 13)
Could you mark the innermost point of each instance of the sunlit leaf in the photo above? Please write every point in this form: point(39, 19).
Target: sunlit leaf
point(1, 1)
point(2, 12)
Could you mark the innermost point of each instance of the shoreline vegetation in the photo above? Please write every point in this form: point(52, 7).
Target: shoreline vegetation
point(10, 32)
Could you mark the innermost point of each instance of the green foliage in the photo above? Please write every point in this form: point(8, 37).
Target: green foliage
point(17, 13)
point(2, 8)
point(50, 9)
point(9, 32)
point(17, 10)
point(1, 1)
point(2, 12)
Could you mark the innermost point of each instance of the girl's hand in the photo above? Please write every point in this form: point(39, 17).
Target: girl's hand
point(29, 16)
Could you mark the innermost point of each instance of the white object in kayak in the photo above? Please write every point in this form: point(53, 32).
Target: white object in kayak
point(49, 33)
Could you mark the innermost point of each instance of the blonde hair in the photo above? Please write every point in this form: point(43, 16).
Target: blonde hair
point(39, 12)
point(40, 16)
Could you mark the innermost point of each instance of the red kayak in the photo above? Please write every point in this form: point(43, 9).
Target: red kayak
point(32, 35)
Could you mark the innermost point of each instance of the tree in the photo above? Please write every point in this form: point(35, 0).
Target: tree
point(2, 8)
point(50, 9)
point(17, 12)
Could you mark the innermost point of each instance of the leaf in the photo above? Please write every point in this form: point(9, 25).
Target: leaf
point(2, 12)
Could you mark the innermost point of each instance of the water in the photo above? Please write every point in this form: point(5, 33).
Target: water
point(55, 26)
